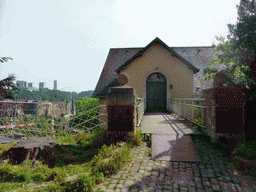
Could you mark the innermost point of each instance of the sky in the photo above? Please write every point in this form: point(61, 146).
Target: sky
point(69, 40)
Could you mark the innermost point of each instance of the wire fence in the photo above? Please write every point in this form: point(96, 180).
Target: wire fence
point(19, 120)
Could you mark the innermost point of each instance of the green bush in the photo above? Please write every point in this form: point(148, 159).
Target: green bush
point(83, 183)
point(55, 186)
point(57, 175)
point(84, 118)
point(198, 122)
point(134, 139)
point(113, 164)
point(246, 149)
point(99, 177)
point(23, 177)
point(8, 172)
point(38, 177)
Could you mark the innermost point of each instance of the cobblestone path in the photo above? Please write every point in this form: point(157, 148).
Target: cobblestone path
point(144, 174)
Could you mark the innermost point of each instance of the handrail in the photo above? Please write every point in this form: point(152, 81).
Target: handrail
point(139, 110)
point(189, 111)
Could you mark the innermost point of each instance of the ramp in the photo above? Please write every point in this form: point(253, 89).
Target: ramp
point(173, 147)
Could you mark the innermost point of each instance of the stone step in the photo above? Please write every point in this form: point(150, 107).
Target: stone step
point(173, 147)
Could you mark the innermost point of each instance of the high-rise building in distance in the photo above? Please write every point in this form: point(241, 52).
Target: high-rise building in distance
point(41, 85)
point(21, 84)
point(55, 85)
point(30, 84)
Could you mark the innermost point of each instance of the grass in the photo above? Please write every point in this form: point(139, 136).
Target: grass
point(243, 149)
point(93, 155)
point(246, 149)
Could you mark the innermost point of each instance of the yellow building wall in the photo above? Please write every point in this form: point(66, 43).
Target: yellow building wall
point(175, 71)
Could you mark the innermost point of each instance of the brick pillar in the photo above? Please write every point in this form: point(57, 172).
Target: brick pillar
point(121, 110)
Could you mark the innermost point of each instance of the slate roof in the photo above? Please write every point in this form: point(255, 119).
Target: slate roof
point(197, 58)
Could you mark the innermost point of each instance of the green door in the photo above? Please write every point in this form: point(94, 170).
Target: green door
point(156, 93)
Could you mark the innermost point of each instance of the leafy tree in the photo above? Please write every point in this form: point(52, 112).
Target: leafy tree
point(5, 59)
point(5, 86)
point(239, 48)
point(85, 112)
point(237, 53)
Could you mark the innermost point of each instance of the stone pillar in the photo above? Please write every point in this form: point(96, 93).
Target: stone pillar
point(121, 110)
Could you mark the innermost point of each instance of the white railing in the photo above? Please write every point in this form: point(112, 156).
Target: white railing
point(189, 108)
point(11, 126)
point(139, 110)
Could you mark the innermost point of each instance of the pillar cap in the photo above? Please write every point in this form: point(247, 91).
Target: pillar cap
point(122, 78)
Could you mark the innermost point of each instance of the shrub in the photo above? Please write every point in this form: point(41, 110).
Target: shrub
point(116, 161)
point(84, 117)
point(55, 186)
point(8, 172)
point(198, 122)
point(246, 149)
point(23, 177)
point(83, 183)
point(57, 175)
point(134, 139)
point(38, 177)
point(99, 177)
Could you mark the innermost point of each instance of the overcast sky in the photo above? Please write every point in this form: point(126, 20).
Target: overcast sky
point(69, 40)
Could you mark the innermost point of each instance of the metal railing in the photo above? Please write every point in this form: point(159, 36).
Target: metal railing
point(189, 108)
point(139, 110)
point(20, 123)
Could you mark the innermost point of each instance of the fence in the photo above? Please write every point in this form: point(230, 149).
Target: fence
point(20, 119)
point(193, 109)
point(189, 108)
point(139, 110)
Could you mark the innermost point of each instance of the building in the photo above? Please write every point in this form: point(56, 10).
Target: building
point(42, 85)
point(157, 72)
point(31, 87)
point(22, 84)
point(55, 85)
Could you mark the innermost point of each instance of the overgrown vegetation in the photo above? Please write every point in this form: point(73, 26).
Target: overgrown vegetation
point(86, 113)
point(246, 149)
point(90, 154)
point(243, 149)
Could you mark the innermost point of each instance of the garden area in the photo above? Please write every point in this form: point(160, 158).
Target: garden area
point(80, 160)
point(244, 157)
point(88, 158)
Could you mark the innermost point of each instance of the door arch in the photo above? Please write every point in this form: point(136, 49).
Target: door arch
point(156, 94)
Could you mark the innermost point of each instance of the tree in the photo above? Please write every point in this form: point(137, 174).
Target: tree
point(5, 85)
point(239, 49)
point(5, 59)
point(237, 53)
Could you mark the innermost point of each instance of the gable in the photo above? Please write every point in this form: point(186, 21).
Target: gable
point(156, 41)
point(200, 57)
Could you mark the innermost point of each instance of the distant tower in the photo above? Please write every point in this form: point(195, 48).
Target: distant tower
point(55, 85)
point(21, 84)
point(41, 85)
point(30, 84)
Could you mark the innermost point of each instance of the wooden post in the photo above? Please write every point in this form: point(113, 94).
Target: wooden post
point(52, 128)
point(11, 129)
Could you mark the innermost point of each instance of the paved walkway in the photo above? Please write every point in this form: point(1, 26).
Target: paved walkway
point(144, 174)
point(170, 138)
point(161, 122)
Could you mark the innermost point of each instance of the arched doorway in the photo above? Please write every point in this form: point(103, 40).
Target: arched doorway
point(156, 94)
